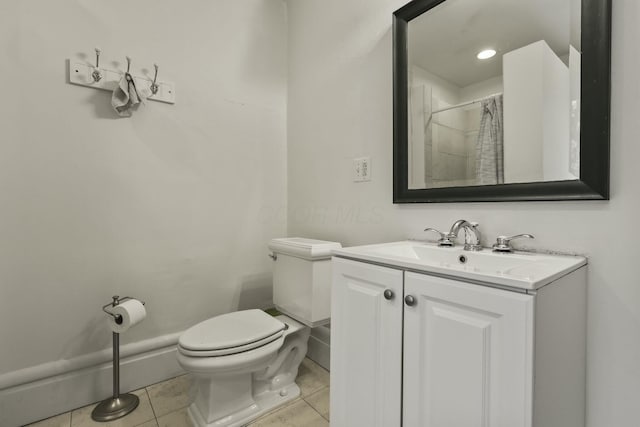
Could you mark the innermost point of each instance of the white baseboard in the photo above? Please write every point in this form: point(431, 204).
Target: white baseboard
point(59, 387)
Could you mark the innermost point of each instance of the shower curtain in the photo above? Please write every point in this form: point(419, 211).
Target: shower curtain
point(489, 146)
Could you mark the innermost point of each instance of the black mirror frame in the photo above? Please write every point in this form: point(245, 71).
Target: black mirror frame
point(594, 119)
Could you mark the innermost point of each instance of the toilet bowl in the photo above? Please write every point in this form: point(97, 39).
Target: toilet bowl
point(237, 380)
point(245, 363)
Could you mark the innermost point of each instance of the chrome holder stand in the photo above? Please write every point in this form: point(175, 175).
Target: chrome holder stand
point(120, 404)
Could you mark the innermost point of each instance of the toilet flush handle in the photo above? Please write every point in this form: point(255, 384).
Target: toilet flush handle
point(273, 256)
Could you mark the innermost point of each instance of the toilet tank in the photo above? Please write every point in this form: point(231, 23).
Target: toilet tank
point(302, 278)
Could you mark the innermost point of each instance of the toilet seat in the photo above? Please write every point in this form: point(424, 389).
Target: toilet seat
point(231, 333)
point(231, 350)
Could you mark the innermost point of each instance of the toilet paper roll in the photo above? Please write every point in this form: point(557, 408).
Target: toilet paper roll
point(130, 313)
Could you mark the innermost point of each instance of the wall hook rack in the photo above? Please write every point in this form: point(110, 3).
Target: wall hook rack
point(97, 74)
point(94, 76)
point(154, 87)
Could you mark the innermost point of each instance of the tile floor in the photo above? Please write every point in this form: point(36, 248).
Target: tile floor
point(165, 405)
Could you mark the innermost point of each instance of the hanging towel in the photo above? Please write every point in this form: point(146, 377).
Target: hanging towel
point(126, 98)
point(490, 145)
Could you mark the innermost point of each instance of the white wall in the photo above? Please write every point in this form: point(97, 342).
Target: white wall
point(523, 113)
point(340, 107)
point(443, 90)
point(481, 89)
point(556, 118)
point(170, 205)
point(419, 144)
point(536, 115)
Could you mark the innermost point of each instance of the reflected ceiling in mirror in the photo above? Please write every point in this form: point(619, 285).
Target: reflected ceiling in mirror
point(494, 93)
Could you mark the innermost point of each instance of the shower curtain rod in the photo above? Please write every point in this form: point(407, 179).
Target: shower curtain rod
point(464, 104)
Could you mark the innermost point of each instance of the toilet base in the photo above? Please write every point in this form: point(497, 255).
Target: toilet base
point(264, 402)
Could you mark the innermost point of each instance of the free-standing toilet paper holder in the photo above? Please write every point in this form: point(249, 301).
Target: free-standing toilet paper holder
point(120, 404)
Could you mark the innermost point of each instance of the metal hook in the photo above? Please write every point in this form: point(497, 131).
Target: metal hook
point(128, 64)
point(154, 87)
point(97, 74)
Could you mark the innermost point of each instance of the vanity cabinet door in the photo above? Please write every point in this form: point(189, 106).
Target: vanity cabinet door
point(467, 355)
point(366, 345)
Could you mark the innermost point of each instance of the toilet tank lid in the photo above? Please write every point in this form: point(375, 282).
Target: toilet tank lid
point(301, 247)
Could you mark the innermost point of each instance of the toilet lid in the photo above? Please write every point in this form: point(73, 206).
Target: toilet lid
point(238, 329)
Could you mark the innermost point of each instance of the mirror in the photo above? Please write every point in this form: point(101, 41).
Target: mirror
point(501, 100)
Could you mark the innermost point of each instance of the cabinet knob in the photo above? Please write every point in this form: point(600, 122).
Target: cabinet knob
point(388, 294)
point(410, 300)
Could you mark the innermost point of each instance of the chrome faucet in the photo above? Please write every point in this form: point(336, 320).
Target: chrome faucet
point(470, 230)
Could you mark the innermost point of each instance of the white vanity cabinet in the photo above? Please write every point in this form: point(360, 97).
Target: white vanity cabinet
point(366, 332)
point(440, 352)
point(467, 354)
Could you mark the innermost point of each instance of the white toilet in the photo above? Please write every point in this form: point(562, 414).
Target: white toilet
point(245, 363)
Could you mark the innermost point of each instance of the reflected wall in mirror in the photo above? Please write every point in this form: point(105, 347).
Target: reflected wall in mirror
point(489, 96)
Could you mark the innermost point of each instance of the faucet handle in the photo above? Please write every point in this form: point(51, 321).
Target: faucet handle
point(445, 238)
point(503, 243)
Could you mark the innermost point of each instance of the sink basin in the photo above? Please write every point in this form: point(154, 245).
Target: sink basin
point(521, 270)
